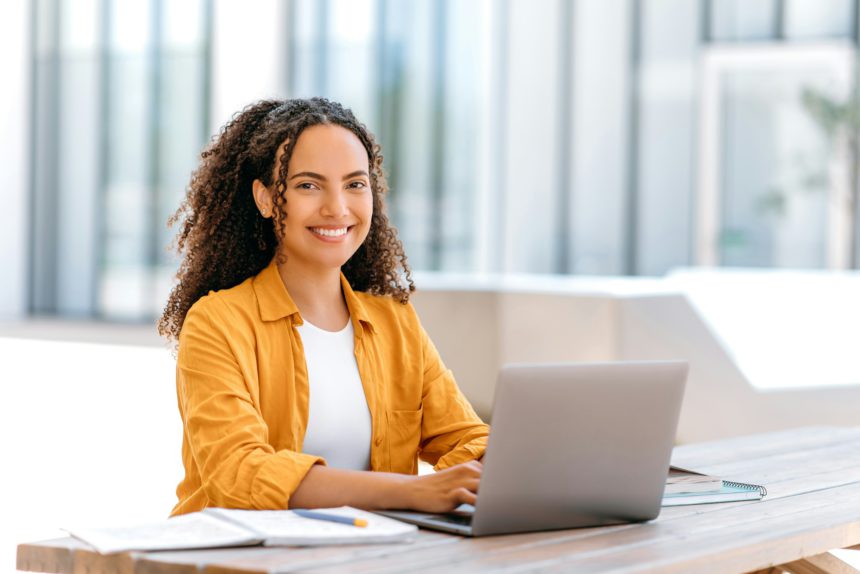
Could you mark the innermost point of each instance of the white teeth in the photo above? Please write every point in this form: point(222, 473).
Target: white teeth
point(329, 232)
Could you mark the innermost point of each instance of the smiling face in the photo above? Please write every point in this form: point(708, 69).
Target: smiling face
point(329, 202)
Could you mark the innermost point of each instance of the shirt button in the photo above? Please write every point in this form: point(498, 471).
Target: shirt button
point(378, 440)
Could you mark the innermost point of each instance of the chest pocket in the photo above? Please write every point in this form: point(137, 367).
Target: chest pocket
point(404, 436)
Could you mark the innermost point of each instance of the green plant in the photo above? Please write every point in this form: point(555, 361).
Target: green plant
point(839, 121)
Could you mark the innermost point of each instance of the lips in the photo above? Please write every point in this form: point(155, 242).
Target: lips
point(330, 231)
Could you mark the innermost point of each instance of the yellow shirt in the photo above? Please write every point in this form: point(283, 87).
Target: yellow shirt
point(242, 387)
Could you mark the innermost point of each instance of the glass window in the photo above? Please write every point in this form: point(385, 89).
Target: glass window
point(410, 132)
point(463, 90)
point(519, 136)
point(181, 128)
point(412, 73)
point(129, 156)
point(600, 130)
point(67, 145)
point(819, 19)
point(743, 20)
point(120, 110)
point(307, 49)
point(352, 52)
point(775, 175)
point(773, 208)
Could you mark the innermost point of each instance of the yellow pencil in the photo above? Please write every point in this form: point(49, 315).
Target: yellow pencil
point(331, 517)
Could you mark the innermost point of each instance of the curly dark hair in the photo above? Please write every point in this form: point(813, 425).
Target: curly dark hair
point(224, 239)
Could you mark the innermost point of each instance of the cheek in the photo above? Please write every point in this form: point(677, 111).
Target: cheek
point(367, 217)
point(366, 209)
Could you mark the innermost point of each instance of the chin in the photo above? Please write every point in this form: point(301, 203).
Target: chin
point(333, 262)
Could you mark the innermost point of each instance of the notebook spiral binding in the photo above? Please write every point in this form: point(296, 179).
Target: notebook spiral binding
point(746, 486)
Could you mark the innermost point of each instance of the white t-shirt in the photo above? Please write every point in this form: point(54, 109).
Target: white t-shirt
point(338, 419)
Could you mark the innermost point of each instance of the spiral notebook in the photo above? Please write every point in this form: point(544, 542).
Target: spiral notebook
point(683, 480)
point(704, 489)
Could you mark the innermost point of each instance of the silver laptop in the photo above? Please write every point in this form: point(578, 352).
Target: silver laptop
point(572, 445)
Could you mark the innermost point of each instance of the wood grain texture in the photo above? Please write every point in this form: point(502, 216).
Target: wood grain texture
point(86, 561)
point(741, 539)
point(47, 556)
point(194, 561)
point(812, 475)
point(747, 448)
point(339, 557)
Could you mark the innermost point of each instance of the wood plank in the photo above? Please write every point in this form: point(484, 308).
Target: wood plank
point(47, 556)
point(89, 561)
point(250, 557)
point(691, 544)
point(765, 551)
point(782, 464)
point(817, 453)
point(301, 559)
point(775, 539)
point(468, 548)
point(788, 474)
point(763, 445)
point(195, 561)
point(823, 462)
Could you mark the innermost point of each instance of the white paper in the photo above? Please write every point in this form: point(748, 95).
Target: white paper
point(283, 527)
point(195, 530)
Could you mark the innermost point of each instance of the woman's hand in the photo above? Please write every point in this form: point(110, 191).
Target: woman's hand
point(445, 490)
point(439, 492)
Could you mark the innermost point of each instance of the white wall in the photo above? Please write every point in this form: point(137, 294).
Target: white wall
point(479, 329)
point(14, 149)
point(720, 400)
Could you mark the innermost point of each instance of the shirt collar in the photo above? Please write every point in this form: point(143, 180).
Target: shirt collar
point(275, 302)
point(357, 313)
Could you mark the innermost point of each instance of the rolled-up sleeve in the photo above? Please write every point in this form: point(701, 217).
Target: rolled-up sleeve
point(226, 435)
point(451, 431)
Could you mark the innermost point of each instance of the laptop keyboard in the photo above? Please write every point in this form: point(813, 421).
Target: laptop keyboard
point(454, 519)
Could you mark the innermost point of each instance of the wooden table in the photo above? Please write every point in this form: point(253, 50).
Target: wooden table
point(813, 505)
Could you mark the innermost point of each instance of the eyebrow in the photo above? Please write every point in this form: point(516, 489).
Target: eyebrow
point(321, 177)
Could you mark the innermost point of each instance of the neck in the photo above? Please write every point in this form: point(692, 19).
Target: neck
point(317, 294)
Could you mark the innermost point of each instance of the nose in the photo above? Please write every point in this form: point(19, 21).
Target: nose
point(334, 204)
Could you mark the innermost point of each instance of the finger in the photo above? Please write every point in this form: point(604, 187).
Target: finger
point(472, 484)
point(471, 468)
point(464, 496)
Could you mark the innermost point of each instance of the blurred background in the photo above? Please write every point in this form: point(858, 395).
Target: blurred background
point(601, 138)
point(572, 180)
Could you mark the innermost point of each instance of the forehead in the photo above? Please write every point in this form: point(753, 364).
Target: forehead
point(326, 149)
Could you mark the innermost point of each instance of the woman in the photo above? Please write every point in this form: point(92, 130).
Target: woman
point(304, 377)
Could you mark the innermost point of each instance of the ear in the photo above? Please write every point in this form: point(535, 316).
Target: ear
point(263, 198)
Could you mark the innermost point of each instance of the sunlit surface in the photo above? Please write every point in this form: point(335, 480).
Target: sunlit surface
point(851, 557)
point(783, 329)
point(90, 436)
